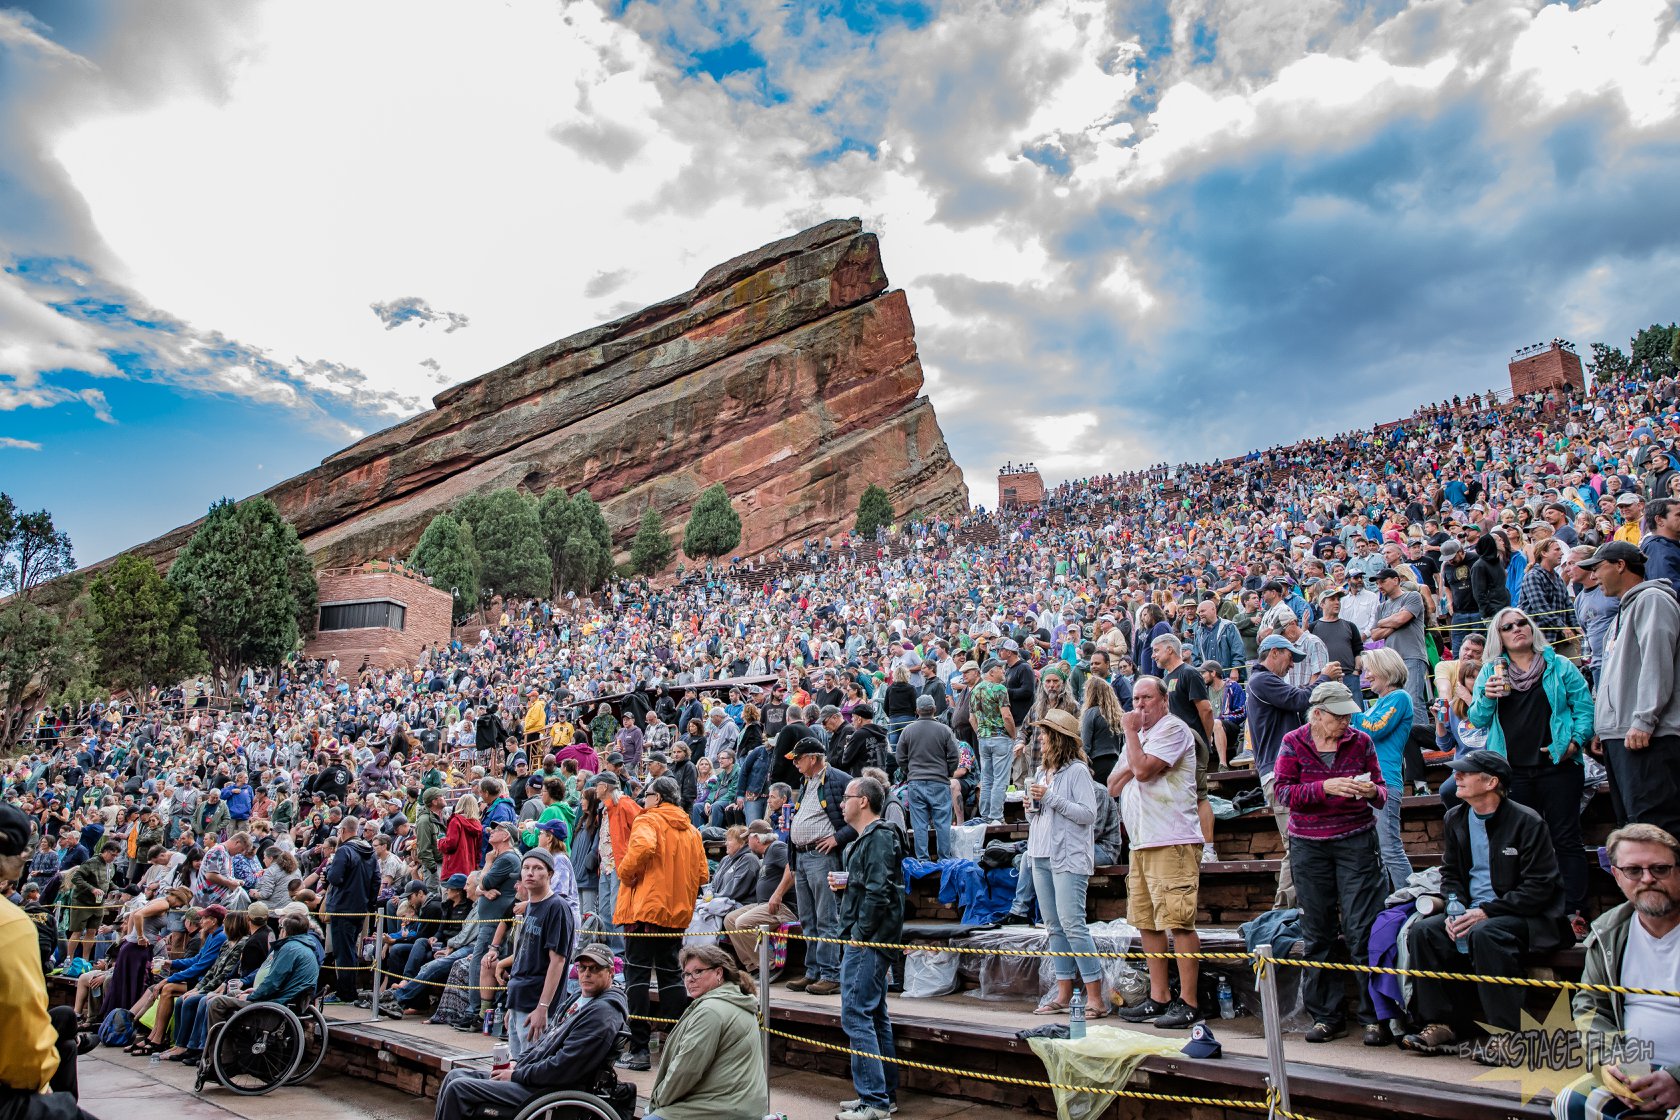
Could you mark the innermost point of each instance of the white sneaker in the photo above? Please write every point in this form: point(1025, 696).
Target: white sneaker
point(862, 1112)
point(856, 1104)
point(1209, 855)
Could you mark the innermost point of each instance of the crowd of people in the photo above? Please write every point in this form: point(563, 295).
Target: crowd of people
point(1489, 583)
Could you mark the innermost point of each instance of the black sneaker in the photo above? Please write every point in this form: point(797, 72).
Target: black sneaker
point(1014, 919)
point(1177, 1016)
point(1145, 1011)
point(469, 1024)
point(636, 1060)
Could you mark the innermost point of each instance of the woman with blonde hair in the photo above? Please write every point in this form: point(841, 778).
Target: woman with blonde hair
point(1388, 722)
point(460, 844)
point(1061, 838)
point(1538, 713)
point(1099, 727)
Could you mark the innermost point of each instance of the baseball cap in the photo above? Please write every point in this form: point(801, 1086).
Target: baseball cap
point(1615, 550)
point(1387, 573)
point(554, 826)
point(865, 710)
point(607, 778)
point(1628, 498)
point(1010, 645)
point(1278, 641)
point(414, 886)
point(805, 746)
point(596, 953)
point(456, 882)
point(1212, 666)
point(257, 911)
point(1202, 1044)
point(974, 665)
point(1483, 762)
point(1335, 698)
point(217, 911)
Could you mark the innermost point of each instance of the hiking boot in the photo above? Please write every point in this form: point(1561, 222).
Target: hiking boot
point(1435, 1039)
point(638, 1060)
point(801, 983)
point(1324, 1031)
point(1177, 1016)
point(822, 988)
point(1143, 1012)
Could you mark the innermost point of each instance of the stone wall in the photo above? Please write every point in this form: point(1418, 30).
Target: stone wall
point(425, 623)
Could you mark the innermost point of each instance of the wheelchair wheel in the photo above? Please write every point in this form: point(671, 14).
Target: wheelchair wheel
point(314, 1044)
point(568, 1104)
point(258, 1049)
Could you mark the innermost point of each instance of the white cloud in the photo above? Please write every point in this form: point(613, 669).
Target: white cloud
point(19, 444)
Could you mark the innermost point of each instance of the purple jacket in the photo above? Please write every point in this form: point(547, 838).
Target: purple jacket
point(1299, 776)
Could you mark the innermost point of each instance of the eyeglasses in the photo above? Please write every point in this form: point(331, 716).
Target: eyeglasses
point(696, 973)
point(1509, 626)
point(1635, 872)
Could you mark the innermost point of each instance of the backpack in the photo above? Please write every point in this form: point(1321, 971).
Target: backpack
point(117, 1028)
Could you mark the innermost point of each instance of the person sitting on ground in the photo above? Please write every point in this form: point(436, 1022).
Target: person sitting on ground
point(1633, 945)
point(570, 1054)
point(711, 1067)
point(1500, 863)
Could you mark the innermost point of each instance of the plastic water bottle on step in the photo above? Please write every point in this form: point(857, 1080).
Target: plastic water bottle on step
point(1455, 909)
point(1227, 1000)
point(1076, 1014)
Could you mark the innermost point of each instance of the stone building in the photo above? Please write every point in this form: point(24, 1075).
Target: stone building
point(1545, 366)
point(379, 613)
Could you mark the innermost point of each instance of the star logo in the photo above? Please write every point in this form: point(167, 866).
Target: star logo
point(1546, 1056)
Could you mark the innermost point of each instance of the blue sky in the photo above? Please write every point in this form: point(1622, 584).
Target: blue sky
point(234, 237)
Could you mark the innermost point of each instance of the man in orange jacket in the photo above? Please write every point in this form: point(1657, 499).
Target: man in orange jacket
point(660, 871)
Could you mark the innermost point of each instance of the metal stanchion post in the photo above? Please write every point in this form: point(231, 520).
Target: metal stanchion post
point(378, 973)
point(1271, 1020)
point(764, 997)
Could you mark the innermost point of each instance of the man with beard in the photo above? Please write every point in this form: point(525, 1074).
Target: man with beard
point(1636, 945)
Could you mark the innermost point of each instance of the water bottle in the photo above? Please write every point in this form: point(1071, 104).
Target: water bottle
point(1455, 909)
point(1227, 1000)
point(1076, 1014)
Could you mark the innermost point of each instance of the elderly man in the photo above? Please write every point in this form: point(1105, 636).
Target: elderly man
point(1637, 712)
point(721, 734)
point(1500, 863)
point(928, 757)
point(569, 1055)
point(1633, 945)
point(1187, 697)
point(769, 910)
point(816, 845)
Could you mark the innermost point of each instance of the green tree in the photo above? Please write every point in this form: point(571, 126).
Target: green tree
point(1607, 362)
point(42, 648)
point(248, 584)
point(509, 539)
point(651, 550)
point(578, 541)
point(1650, 350)
point(141, 635)
point(874, 511)
point(714, 528)
point(446, 553)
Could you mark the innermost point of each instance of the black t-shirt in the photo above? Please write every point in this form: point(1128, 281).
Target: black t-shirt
point(1341, 638)
point(1184, 688)
point(548, 927)
point(1456, 576)
point(1525, 719)
point(770, 867)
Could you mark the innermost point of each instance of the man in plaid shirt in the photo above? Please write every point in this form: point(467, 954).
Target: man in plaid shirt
point(1545, 597)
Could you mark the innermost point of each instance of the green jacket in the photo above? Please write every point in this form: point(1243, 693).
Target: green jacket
point(872, 909)
point(711, 1067)
point(427, 831)
point(1605, 946)
point(85, 878)
point(1566, 691)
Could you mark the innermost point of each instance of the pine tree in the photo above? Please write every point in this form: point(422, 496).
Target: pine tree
point(447, 554)
point(577, 539)
point(508, 535)
point(874, 511)
point(651, 550)
point(248, 585)
point(714, 528)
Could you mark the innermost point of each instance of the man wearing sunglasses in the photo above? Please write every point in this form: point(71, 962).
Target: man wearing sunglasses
point(1636, 945)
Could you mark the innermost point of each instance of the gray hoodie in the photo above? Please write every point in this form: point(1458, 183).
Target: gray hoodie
point(1637, 685)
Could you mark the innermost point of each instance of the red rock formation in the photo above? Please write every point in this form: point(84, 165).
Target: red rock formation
point(788, 374)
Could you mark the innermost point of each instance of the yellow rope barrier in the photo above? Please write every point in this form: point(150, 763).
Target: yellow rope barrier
point(1137, 956)
point(1472, 978)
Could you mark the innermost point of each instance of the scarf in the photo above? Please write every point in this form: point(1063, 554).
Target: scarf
point(1523, 680)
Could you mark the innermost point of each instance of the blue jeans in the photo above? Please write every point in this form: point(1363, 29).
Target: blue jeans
point(996, 754)
point(1463, 625)
point(930, 805)
point(481, 942)
point(1397, 867)
point(190, 1023)
point(516, 1033)
point(863, 1015)
point(430, 973)
point(607, 898)
point(819, 912)
point(752, 810)
point(1061, 899)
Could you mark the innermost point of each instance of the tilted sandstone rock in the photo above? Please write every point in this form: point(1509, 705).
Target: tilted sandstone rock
point(788, 374)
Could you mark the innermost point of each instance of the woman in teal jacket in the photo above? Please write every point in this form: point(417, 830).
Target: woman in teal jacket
point(1539, 714)
point(1388, 721)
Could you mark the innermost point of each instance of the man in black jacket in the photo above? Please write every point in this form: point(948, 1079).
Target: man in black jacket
point(1500, 862)
point(352, 889)
point(574, 1051)
point(1019, 680)
point(871, 911)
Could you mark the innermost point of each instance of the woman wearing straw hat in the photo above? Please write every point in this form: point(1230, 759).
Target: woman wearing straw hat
point(1062, 818)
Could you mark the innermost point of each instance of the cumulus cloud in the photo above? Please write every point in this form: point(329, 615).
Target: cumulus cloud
point(1129, 231)
point(413, 309)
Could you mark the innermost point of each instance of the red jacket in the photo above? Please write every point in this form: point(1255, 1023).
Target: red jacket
point(459, 846)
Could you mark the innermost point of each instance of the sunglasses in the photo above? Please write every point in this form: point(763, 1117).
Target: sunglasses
point(1636, 872)
point(1509, 626)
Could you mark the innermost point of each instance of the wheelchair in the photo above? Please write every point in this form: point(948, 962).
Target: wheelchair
point(263, 1046)
point(607, 1099)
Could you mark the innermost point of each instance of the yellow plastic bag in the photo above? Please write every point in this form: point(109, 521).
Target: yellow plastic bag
point(1103, 1059)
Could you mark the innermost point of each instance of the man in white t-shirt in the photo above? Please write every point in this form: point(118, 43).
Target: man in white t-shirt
point(1156, 784)
point(1636, 945)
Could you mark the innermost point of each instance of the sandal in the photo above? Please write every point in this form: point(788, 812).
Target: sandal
point(1095, 1012)
point(1050, 1007)
point(145, 1048)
